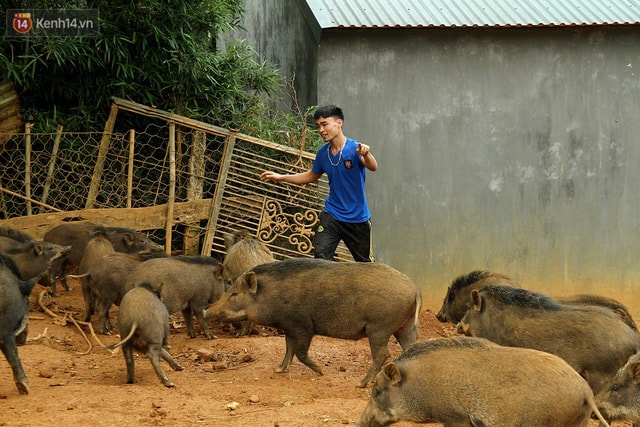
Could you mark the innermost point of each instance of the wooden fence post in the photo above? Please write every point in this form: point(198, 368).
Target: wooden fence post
point(217, 196)
point(52, 165)
point(132, 142)
point(195, 189)
point(94, 188)
point(172, 186)
point(27, 167)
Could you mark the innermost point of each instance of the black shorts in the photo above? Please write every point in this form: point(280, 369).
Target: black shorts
point(356, 237)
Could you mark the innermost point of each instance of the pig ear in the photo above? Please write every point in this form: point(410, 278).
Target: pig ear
point(252, 282)
point(228, 241)
point(476, 300)
point(219, 273)
point(129, 239)
point(392, 373)
point(38, 248)
point(634, 371)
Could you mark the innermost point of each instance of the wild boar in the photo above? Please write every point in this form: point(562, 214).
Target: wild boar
point(592, 339)
point(186, 283)
point(305, 297)
point(32, 257)
point(620, 397)
point(107, 280)
point(461, 381)
point(458, 297)
point(77, 235)
point(243, 253)
point(104, 276)
point(14, 312)
point(144, 322)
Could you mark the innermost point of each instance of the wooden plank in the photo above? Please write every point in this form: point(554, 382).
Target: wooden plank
point(151, 218)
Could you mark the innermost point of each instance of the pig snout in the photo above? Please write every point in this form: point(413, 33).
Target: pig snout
point(368, 419)
point(219, 312)
point(463, 328)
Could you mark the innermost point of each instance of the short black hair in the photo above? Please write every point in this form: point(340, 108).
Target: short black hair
point(329, 111)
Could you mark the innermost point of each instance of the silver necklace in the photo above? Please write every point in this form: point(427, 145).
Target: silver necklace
point(339, 157)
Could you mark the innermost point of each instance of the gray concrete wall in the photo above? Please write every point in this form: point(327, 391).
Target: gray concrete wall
point(512, 150)
point(280, 35)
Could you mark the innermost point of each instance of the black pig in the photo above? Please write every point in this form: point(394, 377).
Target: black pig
point(32, 257)
point(307, 297)
point(14, 311)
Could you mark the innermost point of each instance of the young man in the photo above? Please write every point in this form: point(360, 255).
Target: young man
point(346, 214)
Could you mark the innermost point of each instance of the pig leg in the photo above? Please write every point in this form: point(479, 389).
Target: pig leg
point(407, 334)
point(89, 298)
point(154, 355)
point(58, 268)
point(188, 320)
point(103, 315)
point(298, 345)
point(204, 324)
point(10, 351)
point(288, 356)
point(170, 360)
point(379, 353)
point(21, 338)
point(127, 351)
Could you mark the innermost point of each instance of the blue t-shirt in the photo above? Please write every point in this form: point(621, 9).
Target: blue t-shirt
point(347, 201)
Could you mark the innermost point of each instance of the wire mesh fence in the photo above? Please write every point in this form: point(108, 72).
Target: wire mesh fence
point(169, 161)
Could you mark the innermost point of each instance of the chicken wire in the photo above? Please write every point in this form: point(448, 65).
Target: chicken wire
point(43, 173)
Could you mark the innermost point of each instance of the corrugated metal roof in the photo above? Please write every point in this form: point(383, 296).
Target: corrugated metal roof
point(472, 13)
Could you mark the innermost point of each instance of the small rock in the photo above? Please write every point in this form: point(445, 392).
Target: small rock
point(233, 405)
point(206, 355)
point(254, 398)
point(45, 373)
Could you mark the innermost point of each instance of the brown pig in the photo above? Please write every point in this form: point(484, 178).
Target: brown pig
point(185, 283)
point(592, 339)
point(461, 381)
point(243, 253)
point(458, 297)
point(144, 322)
point(307, 297)
point(77, 234)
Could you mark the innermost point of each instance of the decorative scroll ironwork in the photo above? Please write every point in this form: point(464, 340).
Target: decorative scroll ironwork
point(296, 228)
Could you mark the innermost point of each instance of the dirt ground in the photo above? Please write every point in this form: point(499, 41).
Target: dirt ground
point(225, 382)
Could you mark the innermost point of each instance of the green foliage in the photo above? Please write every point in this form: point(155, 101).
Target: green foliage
point(154, 52)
